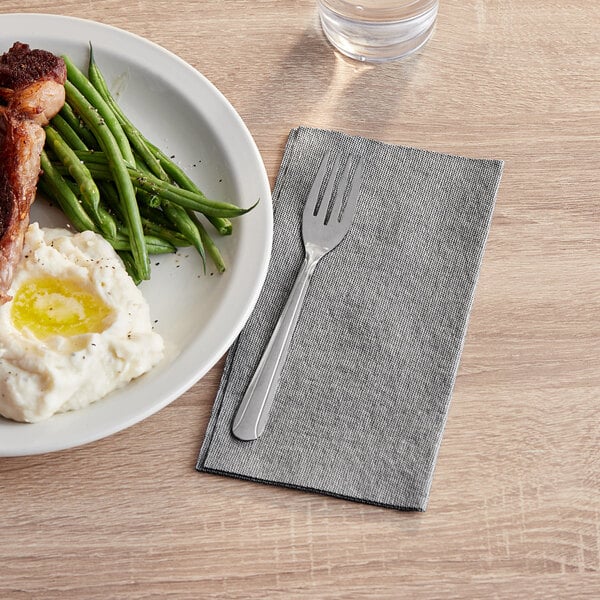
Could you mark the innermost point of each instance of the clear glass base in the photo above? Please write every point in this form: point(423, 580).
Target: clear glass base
point(376, 41)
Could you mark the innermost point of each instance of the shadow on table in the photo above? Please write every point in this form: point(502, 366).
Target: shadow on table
point(315, 85)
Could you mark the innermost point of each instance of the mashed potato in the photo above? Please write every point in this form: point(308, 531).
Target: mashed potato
point(76, 329)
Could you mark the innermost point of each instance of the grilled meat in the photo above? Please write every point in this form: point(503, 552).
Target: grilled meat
point(31, 93)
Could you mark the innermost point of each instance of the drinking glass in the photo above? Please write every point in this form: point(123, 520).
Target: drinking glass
point(378, 30)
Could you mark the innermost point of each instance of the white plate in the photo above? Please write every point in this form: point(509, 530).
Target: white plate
point(198, 315)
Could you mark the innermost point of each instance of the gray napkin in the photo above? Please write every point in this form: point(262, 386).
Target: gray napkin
point(364, 395)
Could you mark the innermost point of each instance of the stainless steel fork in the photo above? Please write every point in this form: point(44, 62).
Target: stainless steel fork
point(326, 220)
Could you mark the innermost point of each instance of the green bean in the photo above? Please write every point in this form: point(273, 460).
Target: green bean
point(152, 156)
point(222, 224)
point(69, 135)
point(133, 134)
point(151, 200)
point(92, 157)
point(89, 92)
point(153, 228)
point(192, 200)
point(177, 215)
point(68, 114)
point(110, 197)
point(155, 244)
point(155, 215)
point(184, 224)
point(53, 184)
point(154, 221)
point(150, 226)
point(180, 219)
point(81, 175)
point(130, 265)
point(119, 172)
point(209, 245)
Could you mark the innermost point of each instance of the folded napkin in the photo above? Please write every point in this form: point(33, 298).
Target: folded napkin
point(364, 394)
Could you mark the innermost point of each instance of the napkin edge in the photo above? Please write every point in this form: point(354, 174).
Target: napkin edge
point(319, 492)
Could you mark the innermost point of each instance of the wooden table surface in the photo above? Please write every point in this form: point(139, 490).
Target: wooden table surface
point(515, 503)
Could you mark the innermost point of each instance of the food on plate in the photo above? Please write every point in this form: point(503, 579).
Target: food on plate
point(73, 324)
point(76, 329)
point(107, 177)
point(31, 93)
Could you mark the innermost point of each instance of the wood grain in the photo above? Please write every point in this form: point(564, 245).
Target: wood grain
point(515, 504)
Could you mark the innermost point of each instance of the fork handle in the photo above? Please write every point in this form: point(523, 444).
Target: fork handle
point(253, 413)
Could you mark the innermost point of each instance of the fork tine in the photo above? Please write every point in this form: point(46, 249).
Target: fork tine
point(327, 194)
point(339, 200)
point(352, 198)
point(315, 190)
point(337, 204)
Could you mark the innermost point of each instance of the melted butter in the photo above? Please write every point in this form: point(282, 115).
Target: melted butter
point(53, 306)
